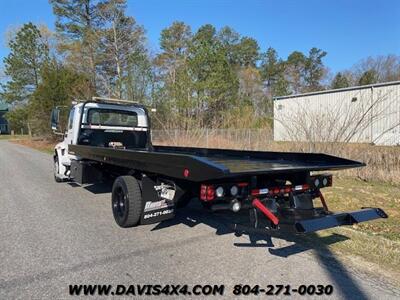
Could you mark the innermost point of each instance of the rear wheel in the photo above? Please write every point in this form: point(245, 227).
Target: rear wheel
point(127, 201)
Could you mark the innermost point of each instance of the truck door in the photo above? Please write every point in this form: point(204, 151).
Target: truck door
point(69, 137)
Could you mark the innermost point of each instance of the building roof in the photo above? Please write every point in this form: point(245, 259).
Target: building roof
point(3, 106)
point(353, 88)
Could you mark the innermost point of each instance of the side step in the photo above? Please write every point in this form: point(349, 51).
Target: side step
point(339, 219)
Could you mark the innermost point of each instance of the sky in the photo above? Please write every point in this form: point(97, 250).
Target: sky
point(349, 30)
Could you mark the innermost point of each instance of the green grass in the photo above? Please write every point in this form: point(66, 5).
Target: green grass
point(375, 242)
point(351, 194)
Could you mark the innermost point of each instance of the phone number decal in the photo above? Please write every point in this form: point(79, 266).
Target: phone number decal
point(281, 289)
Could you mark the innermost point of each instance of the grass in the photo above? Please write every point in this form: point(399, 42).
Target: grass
point(376, 242)
point(13, 137)
point(350, 194)
point(36, 143)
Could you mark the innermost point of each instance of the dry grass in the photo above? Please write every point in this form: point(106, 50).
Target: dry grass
point(13, 137)
point(40, 144)
point(351, 194)
point(383, 163)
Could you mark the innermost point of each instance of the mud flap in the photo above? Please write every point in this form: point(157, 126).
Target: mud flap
point(339, 219)
point(159, 202)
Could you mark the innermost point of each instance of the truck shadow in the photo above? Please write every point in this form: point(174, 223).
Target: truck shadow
point(96, 188)
point(233, 223)
point(228, 223)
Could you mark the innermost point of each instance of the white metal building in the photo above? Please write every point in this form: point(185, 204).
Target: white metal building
point(362, 114)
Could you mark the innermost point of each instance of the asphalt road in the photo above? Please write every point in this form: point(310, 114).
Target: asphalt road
point(56, 234)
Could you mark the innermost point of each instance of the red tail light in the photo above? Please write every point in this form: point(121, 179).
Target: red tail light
point(207, 192)
point(203, 192)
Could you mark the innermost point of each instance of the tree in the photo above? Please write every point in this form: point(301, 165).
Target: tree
point(23, 65)
point(340, 81)
point(368, 77)
point(18, 119)
point(59, 86)
point(386, 67)
point(78, 23)
point(123, 47)
point(273, 73)
point(314, 69)
point(230, 39)
point(215, 82)
point(174, 73)
point(240, 51)
point(295, 69)
point(247, 52)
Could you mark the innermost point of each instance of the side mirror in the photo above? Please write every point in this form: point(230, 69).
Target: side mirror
point(55, 119)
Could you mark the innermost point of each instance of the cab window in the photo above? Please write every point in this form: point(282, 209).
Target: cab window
point(112, 117)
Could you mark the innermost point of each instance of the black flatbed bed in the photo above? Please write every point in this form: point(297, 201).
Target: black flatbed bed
point(206, 164)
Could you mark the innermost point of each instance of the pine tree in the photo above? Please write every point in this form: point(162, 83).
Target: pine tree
point(368, 77)
point(79, 24)
point(314, 69)
point(23, 65)
point(339, 81)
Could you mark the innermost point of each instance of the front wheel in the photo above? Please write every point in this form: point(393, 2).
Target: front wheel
point(56, 169)
point(127, 201)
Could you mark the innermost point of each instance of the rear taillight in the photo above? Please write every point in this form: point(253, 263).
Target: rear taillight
point(207, 192)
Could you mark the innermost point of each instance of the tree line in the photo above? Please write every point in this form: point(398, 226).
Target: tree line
point(202, 78)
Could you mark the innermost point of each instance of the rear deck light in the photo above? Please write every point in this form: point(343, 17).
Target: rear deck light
point(321, 181)
point(219, 191)
point(234, 190)
point(316, 182)
point(236, 206)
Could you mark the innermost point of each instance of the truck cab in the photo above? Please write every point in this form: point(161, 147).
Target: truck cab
point(101, 122)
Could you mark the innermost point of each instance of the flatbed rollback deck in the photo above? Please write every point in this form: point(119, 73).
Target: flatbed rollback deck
point(150, 181)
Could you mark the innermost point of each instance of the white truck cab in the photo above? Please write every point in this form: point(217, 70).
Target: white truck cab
point(99, 122)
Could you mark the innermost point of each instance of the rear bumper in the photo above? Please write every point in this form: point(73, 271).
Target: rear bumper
point(339, 219)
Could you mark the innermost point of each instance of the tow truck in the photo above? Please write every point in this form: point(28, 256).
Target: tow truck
point(110, 139)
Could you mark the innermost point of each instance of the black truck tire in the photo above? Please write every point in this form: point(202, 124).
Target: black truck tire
point(56, 168)
point(127, 201)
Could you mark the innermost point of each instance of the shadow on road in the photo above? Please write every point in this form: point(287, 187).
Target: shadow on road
point(96, 188)
point(227, 222)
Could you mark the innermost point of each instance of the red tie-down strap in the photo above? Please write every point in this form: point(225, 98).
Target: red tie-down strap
point(258, 204)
